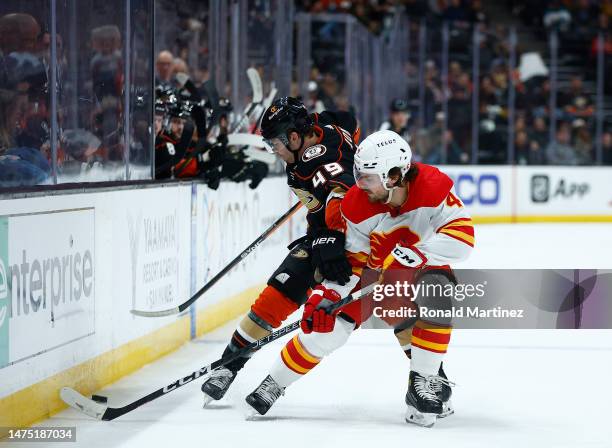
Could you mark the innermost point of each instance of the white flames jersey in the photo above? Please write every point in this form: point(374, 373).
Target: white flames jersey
point(432, 222)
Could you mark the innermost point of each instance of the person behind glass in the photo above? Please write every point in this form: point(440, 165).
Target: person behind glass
point(560, 151)
point(522, 147)
point(173, 140)
point(164, 69)
point(107, 62)
point(19, 165)
point(22, 70)
point(399, 115)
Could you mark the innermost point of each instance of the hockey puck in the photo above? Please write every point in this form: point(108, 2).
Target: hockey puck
point(99, 398)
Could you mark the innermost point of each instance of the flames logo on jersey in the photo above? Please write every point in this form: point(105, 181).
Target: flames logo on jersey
point(382, 243)
point(313, 152)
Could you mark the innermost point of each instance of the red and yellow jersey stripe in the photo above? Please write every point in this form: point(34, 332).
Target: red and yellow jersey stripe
point(461, 229)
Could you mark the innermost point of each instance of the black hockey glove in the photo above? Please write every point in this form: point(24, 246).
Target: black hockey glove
point(329, 258)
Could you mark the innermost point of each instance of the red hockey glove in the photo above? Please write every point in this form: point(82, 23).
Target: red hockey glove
point(316, 315)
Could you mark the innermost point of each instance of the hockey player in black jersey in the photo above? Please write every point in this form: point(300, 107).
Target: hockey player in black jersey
point(318, 150)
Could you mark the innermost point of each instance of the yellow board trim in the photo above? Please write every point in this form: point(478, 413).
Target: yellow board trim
point(41, 400)
point(507, 219)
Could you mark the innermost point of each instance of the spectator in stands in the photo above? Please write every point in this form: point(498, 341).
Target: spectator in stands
point(488, 92)
point(398, 118)
point(19, 166)
point(583, 142)
point(313, 102)
point(540, 97)
point(539, 133)
point(576, 102)
point(18, 34)
point(164, 68)
point(606, 146)
point(459, 111)
point(435, 140)
point(454, 73)
point(179, 66)
point(328, 90)
point(560, 152)
point(522, 148)
point(107, 61)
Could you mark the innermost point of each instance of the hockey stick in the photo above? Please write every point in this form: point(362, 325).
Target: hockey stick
point(260, 239)
point(97, 408)
point(257, 98)
point(244, 139)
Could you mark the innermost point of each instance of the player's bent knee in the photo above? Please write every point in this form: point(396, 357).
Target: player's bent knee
point(271, 308)
point(322, 344)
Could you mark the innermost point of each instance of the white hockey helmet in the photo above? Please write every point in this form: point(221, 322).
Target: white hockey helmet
point(380, 152)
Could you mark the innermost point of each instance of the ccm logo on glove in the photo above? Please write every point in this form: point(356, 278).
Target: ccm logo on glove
point(407, 256)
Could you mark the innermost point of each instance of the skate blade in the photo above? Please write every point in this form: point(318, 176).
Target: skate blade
point(424, 419)
point(447, 409)
point(207, 400)
point(251, 414)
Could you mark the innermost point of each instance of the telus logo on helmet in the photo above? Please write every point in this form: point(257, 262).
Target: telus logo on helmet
point(385, 143)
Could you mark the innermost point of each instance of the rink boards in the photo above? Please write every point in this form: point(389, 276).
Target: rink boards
point(503, 194)
point(72, 266)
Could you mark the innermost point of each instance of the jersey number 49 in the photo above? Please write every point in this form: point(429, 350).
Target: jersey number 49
point(333, 169)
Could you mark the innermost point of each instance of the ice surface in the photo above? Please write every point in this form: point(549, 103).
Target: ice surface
point(536, 388)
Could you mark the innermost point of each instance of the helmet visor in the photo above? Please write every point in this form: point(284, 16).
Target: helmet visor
point(273, 145)
point(366, 181)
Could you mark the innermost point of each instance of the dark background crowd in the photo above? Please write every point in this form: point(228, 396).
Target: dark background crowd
point(433, 107)
point(578, 24)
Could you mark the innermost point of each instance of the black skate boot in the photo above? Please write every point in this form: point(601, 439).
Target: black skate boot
point(217, 384)
point(423, 403)
point(262, 398)
point(443, 389)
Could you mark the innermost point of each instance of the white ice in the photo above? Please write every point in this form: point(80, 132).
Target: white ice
point(535, 388)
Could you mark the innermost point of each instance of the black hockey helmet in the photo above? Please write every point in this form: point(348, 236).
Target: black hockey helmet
point(399, 105)
point(285, 115)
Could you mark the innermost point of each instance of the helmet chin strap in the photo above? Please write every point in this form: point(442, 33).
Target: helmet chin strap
point(389, 191)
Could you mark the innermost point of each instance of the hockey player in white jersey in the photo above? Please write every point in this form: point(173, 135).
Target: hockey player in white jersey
point(403, 221)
